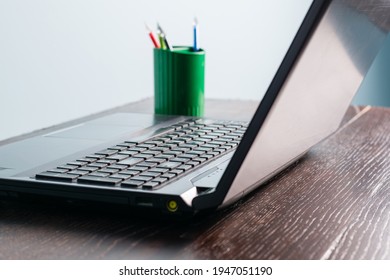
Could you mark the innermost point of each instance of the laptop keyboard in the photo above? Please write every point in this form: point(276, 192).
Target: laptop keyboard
point(152, 163)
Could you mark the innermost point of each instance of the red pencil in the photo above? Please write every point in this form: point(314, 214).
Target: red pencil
point(152, 37)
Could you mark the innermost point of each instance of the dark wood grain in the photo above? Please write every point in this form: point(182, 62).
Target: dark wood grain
point(333, 204)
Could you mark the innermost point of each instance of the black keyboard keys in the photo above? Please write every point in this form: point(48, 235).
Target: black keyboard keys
point(98, 180)
point(131, 184)
point(65, 177)
point(150, 163)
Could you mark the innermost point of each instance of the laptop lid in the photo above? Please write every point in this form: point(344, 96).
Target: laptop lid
point(309, 95)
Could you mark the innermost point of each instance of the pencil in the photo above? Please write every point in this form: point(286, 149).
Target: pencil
point(152, 37)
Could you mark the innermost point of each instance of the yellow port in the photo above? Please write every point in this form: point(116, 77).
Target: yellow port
point(172, 206)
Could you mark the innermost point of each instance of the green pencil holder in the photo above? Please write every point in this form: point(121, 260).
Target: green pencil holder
point(179, 81)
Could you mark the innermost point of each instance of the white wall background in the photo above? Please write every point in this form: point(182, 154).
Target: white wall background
point(63, 59)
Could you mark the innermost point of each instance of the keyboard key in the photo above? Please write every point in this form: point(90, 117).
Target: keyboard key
point(148, 164)
point(197, 143)
point(177, 126)
point(225, 130)
point(150, 185)
point(220, 150)
point(137, 149)
point(227, 139)
point(149, 174)
point(117, 167)
point(178, 133)
point(202, 140)
point(154, 142)
point(56, 176)
point(146, 146)
point(169, 146)
point(186, 138)
point(174, 142)
point(208, 137)
point(106, 152)
point(78, 172)
point(174, 153)
point(176, 171)
point(165, 156)
point(119, 147)
point(214, 154)
point(99, 174)
point(181, 149)
point(126, 145)
point(184, 167)
point(131, 143)
point(229, 145)
point(159, 149)
point(156, 160)
point(88, 168)
point(130, 161)
point(77, 163)
point(205, 156)
point(67, 167)
point(196, 152)
point(153, 153)
point(87, 160)
point(192, 163)
point(131, 184)
point(120, 176)
point(138, 168)
point(98, 180)
point(163, 139)
point(199, 159)
point(189, 156)
point(216, 134)
point(169, 165)
point(180, 159)
point(198, 133)
point(96, 165)
point(190, 147)
point(108, 170)
point(143, 156)
point(158, 171)
point(142, 178)
point(213, 146)
point(203, 149)
point(96, 157)
point(117, 157)
point(186, 130)
point(129, 172)
point(168, 175)
point(128, 153)
point(235, 126)
point(58, 170)
point(106, 161)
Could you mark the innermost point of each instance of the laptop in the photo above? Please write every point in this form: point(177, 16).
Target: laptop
point(180, 165)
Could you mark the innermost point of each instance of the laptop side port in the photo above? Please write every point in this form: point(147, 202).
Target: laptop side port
point(144, 201)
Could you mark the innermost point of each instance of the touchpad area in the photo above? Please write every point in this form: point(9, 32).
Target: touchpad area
point(107, 128)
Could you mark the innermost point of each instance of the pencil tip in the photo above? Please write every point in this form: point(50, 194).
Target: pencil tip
point(159, 28)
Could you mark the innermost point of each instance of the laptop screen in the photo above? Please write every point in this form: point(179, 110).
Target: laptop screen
point(316, 92)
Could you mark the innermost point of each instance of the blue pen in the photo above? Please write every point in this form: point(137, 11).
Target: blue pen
point(195, 35)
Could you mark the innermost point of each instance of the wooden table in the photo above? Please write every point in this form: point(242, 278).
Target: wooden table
point(333, 204)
